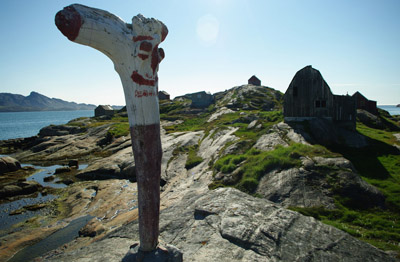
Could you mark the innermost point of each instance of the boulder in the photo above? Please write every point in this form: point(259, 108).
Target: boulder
point(20, 188)
point(10, 190)
point(249, 97)
point(48, 178)
point(73, 163)
point(119, 165)
point(60, 130)
point(59, 148)
point(8, 164)
point(91, 229)
point(376, 121)
point(228, 225)
point(66, 182)
point(317, 182)
point(296, 187)
point(218, 113)
point(64, 169)
point(252, 124)
point(269, 141)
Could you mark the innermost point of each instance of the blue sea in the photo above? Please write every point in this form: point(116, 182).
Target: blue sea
point(27, 124)
point(393, 110)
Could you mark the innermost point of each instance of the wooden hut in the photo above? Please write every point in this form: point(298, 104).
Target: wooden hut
point(309, 96)
point(200, 99)
point(103, 110)
point(363, 103)
point(162, 95)
point(254, 81)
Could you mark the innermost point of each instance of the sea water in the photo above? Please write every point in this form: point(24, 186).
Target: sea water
point(393, 110)
point(27, 124)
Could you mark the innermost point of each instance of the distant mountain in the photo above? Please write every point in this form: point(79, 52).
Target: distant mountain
point(37, 102)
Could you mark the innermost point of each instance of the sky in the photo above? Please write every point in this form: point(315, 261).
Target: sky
point(212, 45)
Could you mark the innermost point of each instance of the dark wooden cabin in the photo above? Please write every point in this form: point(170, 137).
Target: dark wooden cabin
point(309, 96)
point(365, 104)
point(103, 110)
point(200, 99)
point(162, 95)
point(254, 81)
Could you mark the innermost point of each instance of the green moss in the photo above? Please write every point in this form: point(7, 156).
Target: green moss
point(172, 107)
point(190, 123)
point(193, 159)
point(119, 129)
point(254, 164)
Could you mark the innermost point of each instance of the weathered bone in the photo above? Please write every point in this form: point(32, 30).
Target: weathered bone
point(133, 48)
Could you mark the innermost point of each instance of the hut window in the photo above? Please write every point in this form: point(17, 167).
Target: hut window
point(320, 103)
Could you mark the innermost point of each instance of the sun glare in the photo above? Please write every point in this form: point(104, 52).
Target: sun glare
point(208, 29)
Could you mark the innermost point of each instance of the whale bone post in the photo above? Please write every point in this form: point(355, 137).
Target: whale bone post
point(133, 48)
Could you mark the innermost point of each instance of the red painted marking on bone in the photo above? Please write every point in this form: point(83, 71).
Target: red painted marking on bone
point(138, 93)
point(142, 38)
point(143, 57)
point(139, 79)
point(69, 22)
point(155, 59)
point(146, 46)
point(164, 32)
point(144, 93)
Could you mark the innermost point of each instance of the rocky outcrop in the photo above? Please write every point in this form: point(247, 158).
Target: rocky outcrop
point(217, 139)
point(9, 164)
point(120, 165)
point(250, 97)
point(281, 134)
point(221, 111)
point(228, 225)
point(313, 184)
point(60, 130)
point(376, 121)
point(397, 136)
point(19, 188)
point(317, 182)
point(65, 146)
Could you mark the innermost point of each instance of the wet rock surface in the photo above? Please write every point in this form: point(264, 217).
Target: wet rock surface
point(19, 188)
point(9, 164)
